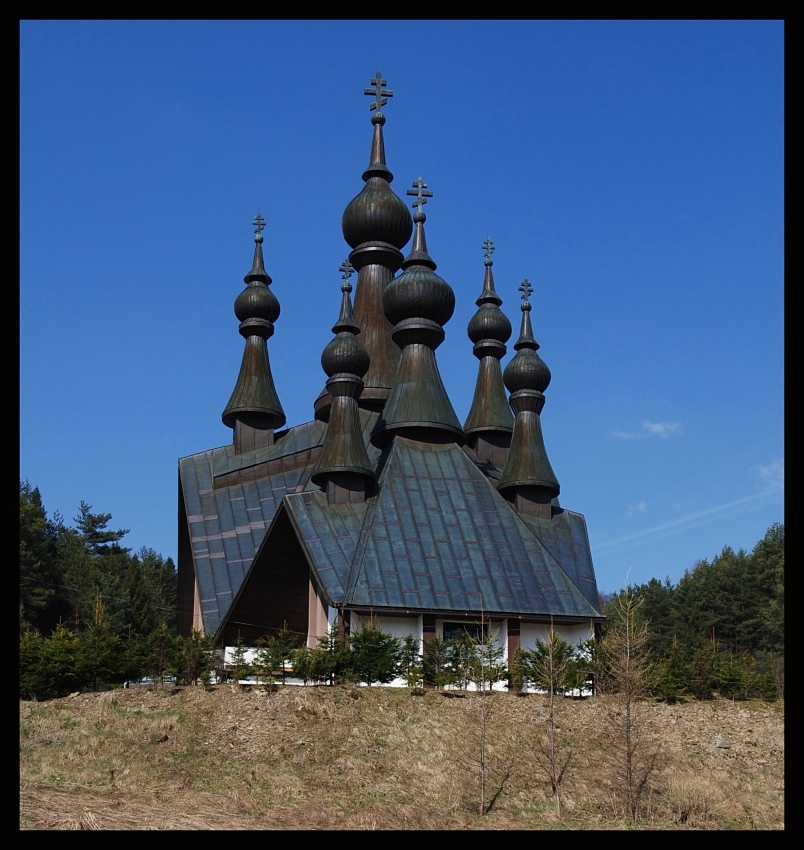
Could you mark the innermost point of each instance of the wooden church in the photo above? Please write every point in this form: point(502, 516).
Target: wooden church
point(384, 505)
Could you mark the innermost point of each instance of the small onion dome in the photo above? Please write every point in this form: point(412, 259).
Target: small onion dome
point(418, 292)
point(257, 301)
point(344, 353)
point(489, 322)
point(527, 371)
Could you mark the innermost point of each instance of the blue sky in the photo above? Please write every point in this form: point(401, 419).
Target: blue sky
point(631, 170)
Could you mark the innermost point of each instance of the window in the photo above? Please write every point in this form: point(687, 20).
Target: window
point(476, 631)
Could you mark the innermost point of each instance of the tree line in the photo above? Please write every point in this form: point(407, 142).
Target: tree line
point(94, 613)
point(720, 629)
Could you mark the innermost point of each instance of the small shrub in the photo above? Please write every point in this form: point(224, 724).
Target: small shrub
point(693, 799)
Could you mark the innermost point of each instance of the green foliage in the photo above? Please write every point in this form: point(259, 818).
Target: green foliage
point(737, 599)
point(276, 653)
point(375, 654)
point(548, 664)
point(463, 657)
point(517, 671)
point(436, 663)
point(672, 675)
point(195, 658)
point(41, 573)
point(703, 682)
point(240, 667)
point(489, 662)
point(411, 666)
point(64, 570)
point(331, 660)
point(303, 664)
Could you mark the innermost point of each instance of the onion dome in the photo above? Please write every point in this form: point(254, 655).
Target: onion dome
point(343, 460)
point(527, 467)
point(418, 303)
point(376, 225)
point(254, 401)
point(490, 421)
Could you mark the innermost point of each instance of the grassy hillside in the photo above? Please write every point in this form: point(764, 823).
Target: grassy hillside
point(378, 758)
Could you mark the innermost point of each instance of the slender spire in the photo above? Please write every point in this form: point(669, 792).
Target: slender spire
point(418, 303)
point(376, 225)
point(489, 425)
point(343, 467)
point(527, 477)
point(254, 410)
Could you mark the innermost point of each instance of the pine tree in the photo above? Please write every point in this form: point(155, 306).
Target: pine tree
point(410, 663)
point(436, 663)
point(375, 654)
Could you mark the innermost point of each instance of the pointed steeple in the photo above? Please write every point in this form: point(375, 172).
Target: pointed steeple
point(418, 303)
point(254, 410)
point(489, 425)
point(376, 225)
point(527, 478)
point(343, 467)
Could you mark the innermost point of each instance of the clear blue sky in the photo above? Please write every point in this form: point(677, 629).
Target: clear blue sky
point(631, 170)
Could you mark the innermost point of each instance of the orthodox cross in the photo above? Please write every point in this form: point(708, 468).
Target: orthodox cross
point(258, 223)
point(379, 92)
point(488, 245)
point(526, 289)
point(419, 187)
point(347, 269)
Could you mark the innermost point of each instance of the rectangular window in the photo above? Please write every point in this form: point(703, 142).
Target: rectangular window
point(476, 631)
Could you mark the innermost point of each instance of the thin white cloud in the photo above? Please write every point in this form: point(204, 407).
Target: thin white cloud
point(662, 429)
point(638, 508)
point(627, 435)
point(650, 429)
point(769, 478)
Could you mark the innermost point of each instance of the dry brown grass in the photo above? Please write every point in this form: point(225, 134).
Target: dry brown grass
point(379, 758)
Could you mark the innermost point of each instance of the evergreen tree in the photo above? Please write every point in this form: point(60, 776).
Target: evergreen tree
point(656, 609)
point(276, 653)
point(489, 664)
point(703, 681)
point(548, 663)
point(672, 674)
point(196, 657)
point(436, 663)
point(241, 668)
point(462, 654)
point(410, 663)
point(42, 601)
point(375, 654)
point(331, 659)
point(303, 666)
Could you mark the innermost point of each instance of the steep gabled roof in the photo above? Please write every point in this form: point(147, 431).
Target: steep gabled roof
point(437, 536)
point(440, 537)
point(230, 500)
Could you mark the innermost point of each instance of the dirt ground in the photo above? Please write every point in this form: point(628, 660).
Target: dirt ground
point(164, 758)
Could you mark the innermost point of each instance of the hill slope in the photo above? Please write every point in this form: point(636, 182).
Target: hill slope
point(378, 758)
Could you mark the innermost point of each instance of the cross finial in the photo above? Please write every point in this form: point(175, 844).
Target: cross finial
point(488, 246)
point(418, 189)
point(526, 289)
point(258, 223)
point(379, 92)
point(347, 269)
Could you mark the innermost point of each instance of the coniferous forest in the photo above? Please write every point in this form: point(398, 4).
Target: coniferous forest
point(94, 614)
